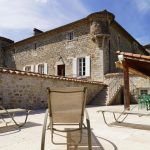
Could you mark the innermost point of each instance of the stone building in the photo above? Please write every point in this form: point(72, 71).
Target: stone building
point(84, 49)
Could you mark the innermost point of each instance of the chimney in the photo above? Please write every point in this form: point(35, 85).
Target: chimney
point(37, 31)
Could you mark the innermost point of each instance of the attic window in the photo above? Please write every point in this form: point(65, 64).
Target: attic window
point(70, 36)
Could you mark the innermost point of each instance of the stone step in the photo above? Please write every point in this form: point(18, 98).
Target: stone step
point(100, 98)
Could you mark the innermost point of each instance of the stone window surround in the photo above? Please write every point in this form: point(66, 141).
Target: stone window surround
point(27, 68)
point(45, 69)
point(31, 68)
point(144, 89)
point(86, 67)
point(70, 35)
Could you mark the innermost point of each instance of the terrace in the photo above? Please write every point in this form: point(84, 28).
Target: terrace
point(133, 133)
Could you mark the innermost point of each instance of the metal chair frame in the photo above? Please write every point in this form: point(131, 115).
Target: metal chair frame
point(80, 125)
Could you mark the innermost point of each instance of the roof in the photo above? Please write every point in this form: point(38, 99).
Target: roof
point(6, 39)
point(115, 24)
point(137, 63)
point(33, 74)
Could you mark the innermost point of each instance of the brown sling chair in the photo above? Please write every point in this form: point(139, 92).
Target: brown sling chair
point(66, 106)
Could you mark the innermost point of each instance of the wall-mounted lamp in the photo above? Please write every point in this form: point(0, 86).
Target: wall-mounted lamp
point(120, 57)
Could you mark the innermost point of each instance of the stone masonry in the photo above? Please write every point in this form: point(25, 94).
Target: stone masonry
point(28, 90)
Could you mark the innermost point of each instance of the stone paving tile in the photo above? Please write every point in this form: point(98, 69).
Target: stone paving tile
point(133, 134)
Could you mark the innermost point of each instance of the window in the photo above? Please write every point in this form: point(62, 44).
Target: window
point(81, 66)
point(41, 68)
point(70, 35)
point(27, 68)
point(144, 92)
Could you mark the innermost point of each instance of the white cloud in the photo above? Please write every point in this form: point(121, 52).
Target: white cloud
point(42, 14)
point(142, 5)
point(42, 1)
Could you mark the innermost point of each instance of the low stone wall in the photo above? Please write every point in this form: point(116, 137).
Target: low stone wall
point(27, 91)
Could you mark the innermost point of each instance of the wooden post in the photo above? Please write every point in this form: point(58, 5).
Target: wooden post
point(126, 86)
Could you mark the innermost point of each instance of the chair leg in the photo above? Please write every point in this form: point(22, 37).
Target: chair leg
point(44, 131)
point(89, 135)
point(89, 130)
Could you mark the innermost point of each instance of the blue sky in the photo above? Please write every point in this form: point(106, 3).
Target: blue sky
point(19, 17)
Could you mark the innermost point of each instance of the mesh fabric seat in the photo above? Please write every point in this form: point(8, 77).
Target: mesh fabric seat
point(66, 106)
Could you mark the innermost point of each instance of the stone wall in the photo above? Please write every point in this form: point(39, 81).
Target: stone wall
point(119, 42)
point(51, 48)
point(140, 83)
point(28, 91)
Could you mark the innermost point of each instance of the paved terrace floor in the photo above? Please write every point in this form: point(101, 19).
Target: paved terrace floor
point(133, 134)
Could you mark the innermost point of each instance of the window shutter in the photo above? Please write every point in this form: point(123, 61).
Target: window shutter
point(32, 68)
point(45, 68)
point(36, 68)
point(24, 68)
point(74, 67)
point(87, 67)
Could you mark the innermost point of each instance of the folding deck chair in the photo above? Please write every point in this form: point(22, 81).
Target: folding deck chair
point(10, 113)
point(66, 106)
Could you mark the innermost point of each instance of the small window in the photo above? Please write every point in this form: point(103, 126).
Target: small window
point(41, 68)
point(28, 68)
point(144, 92)
point(81, 66)
point(70, 35)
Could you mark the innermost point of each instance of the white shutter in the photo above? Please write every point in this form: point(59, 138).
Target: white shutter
point(32, 68)
point(24, 68)
point(74, 67)
point(87, 66)
point(36, 68)
point(45, 68)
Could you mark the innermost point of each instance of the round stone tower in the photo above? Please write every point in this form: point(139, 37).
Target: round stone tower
point(100, 34)
point(99, 28)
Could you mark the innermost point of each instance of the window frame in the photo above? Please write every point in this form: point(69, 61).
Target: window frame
point(42, 69)
point(70, 36)
point(28, 69)
point(81, 67)
point(143, 91)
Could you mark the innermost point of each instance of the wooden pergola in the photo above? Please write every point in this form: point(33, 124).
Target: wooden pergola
point(133, 63)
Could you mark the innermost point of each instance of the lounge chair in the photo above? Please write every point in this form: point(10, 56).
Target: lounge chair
point(66, 106)
point(10, 113)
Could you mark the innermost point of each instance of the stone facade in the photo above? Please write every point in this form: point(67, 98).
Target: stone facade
point(97, 37)
point(85, 49)
point(29, 90)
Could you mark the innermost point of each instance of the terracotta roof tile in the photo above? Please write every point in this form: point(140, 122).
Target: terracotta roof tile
point(19, 72)
point(134, 56)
